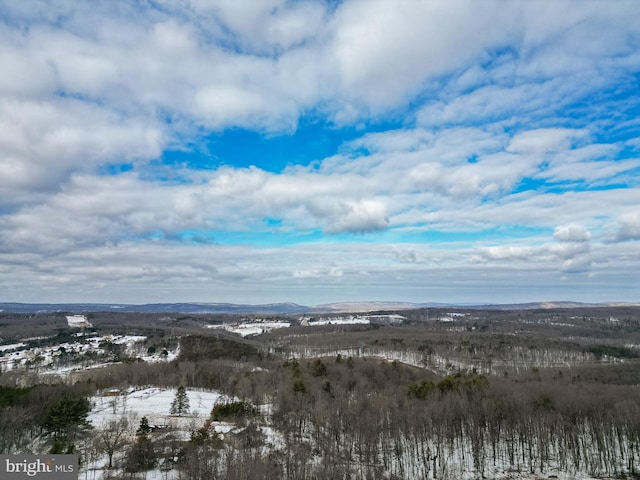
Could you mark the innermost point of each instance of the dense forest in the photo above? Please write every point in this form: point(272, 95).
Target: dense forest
point(484, 394)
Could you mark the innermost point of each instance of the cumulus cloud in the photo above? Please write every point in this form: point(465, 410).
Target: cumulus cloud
point(385, 50)
point(43, 143)
point(575, 259)
point(577, 265)
point(268, 27)
point(571, 233)
point(361, 56)
point(503, 118)
point(509, 252)
point(571, 253)
point(575, 247)
point(408, 178)
point(628, 228)
point(358, 217)
point(93, 210)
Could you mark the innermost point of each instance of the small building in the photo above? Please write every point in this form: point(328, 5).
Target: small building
point(78, 321)
point(111, 392)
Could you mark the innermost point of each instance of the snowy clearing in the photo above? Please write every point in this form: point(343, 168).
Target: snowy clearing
point(251, 328)
point(155, 404)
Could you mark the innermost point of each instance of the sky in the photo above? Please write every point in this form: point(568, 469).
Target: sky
point(319, 151)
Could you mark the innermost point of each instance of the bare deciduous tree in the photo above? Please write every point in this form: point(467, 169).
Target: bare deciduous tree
point(112, 436)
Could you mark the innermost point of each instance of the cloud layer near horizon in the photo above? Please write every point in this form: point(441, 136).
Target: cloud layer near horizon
point(483, 151)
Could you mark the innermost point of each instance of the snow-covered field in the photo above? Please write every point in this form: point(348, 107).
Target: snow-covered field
point(155, 404)
point(246, 329)
point(350, 320)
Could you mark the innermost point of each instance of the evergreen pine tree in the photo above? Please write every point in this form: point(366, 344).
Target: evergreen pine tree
point(180, 404)
point(144, 427)
point(141, 456)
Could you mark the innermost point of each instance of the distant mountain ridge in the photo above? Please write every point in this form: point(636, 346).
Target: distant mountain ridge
point(279, 308)
point(193, 308)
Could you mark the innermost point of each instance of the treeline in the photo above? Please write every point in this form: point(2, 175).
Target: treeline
point(196, 347)
point(55, 414)
point(448, 347)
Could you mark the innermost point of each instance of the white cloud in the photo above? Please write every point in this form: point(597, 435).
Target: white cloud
point(362, 57)
point(156, 271)
point(412, 178)
point(386, 49)
point(43, 143)
point(577, 264)
point(355, 217)
point(480, 89)
point(590, 208)
point(542, 141)
point(627, 228)
point(508, 252)
point(572, 255)
point(571, 233)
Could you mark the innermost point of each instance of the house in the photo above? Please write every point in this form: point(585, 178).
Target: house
point(111, 392)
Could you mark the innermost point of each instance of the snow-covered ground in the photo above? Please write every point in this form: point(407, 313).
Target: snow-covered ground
point(155, 404)
point(71, 356)
point(350, 320)
point(13, 346)
point(245, 329)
